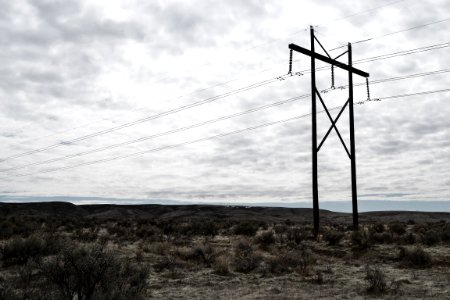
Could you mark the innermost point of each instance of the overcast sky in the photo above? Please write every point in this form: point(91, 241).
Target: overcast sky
point(70, 69)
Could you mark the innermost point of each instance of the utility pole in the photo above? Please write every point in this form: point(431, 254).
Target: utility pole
point(315, 93)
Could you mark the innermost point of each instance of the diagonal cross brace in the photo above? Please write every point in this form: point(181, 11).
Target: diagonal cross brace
point(333, 122)
point(333, 125)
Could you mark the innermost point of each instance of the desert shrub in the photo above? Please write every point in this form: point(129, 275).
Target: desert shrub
point(360, 239)
point(86, 234)
point(201, 228)
point(431, 237)
point(92, 273)
point(377, 227)
point(6, 230)
point(445, 234)
point(376, 280)
point(414, 257)
point(265, 238)
point(7, 292)
point(148, 232)
point(409, 238)
point(297, 235)
point(333, 237)
point(397, 228)
point(289, 261)
point(280, 228)
point(160, 248)
point(245, 260)
point(18, 250)
point(200, 254)
point(246, 228)
point(382, 238)
point(16, 227)
point(167, 262)
point(221, 266)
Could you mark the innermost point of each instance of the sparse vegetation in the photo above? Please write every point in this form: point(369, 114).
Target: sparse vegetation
point(414, 257)
point(376, 280)
point(132, 258)
point(93, 273)
point(360, 239)
point(333, 237)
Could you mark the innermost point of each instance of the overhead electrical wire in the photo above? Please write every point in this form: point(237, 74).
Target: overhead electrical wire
point(192, 126)
point(328, 23)
point(171, 146)
point(215, 120)
point(404, 95)
point(387, 56)
point(214, 98)
point(208, 63)
point(145, 119)
point(134, 154)
point(396, 78)
point(392, 33)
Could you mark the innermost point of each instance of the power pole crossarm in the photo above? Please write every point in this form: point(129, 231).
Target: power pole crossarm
point(328, 60)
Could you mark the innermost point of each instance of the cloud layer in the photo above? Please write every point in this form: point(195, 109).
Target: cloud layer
point(74, 68)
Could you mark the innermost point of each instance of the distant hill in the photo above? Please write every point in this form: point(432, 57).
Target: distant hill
point(211, 212)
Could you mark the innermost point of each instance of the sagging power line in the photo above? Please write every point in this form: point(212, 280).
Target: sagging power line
point(214, 98)
point(211, 121)
point(189, 142)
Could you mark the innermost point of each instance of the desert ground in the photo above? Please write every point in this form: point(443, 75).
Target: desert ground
point(63, 251)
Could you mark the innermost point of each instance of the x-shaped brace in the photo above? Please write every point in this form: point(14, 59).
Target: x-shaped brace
point(333, 124)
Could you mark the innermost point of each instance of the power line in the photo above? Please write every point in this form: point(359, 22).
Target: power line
point(392, 33)
point(396, 78)
point(389, 55)
point(208, 63)
point(328, 23)
point(278, 103)
point(405, 52)
point(148, 118)
point(404, 95)
point(217, 97)
point(202, 89)
point(211, 121)
point(169, 146)
point(367, 10)
point(214, 136)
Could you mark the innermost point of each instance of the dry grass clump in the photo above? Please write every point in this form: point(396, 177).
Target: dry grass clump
point(17, 251)
point(360, 239)
point(203, 254)
point(333, 237)
point(245, 259)
point(78, 272)
point(93, 273)
point(296, 235)
point(221, 266)
point(265, 238)
point(431, 237)
point(397, 228)
point(246, 228)
point(414, 257)
point(376, 280)
point(286, 262)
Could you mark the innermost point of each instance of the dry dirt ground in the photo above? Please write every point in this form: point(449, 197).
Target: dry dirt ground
point(213, 253)
point(337, 273)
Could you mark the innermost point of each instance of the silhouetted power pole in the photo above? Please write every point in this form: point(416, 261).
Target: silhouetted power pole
point(315, 93)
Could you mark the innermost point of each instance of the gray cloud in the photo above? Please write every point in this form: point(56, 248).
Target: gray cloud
point(77, 64)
